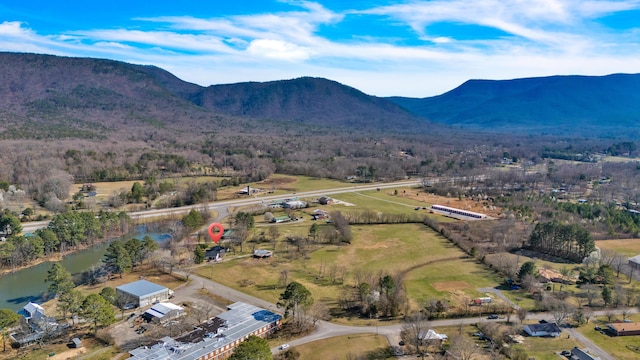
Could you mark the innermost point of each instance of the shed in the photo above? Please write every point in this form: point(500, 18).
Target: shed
point(142, 293)
point(76, 342)
point(162, 312)
point(544, 329)
point(259, 253)
point(634, 262)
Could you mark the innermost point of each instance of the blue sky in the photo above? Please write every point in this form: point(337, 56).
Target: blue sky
point(382, 47)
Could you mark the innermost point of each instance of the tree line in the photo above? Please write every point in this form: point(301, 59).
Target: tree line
point(66, 231)
point(567, 241)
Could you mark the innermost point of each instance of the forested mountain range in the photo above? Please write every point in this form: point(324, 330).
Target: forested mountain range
point(43, 96)
point(560, 105)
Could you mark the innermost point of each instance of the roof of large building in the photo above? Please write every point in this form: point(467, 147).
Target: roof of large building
point(241, 320)
point(141, 288)
point(635, 259)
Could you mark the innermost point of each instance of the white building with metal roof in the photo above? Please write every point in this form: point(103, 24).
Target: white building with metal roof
point(163, 311)
point(142, 293)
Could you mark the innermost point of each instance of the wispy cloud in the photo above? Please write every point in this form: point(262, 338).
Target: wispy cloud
point(529, 38)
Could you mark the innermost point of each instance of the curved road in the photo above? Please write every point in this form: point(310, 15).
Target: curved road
point(325, 329)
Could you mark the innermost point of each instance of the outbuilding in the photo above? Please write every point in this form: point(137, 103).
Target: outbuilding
point(142, 293)
point(162, 312)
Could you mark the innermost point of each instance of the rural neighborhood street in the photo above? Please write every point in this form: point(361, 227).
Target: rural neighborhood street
point(325, 329)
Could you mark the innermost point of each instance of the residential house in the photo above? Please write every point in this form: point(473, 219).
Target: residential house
point(215, 253)
point(634, 262)
point(280, 219)
point(624, 328)
point(319, 214)
point(295, 204)
point(32, 312)
point(325, 200)
point(579, 354)
point(544, 329)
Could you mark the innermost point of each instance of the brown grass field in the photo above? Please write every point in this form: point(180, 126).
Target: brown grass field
point(357, 346)
point(451, 285)
point(626, 247)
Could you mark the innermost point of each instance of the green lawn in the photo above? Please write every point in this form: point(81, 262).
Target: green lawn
point(394, 249)
point(614, 345)
point(543, 348)
point(365, 346)
point(456, 280)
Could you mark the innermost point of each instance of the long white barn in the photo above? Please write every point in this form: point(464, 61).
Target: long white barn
point(457, 213)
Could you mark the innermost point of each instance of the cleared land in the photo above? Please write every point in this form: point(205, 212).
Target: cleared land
point(366, 346)
point(626, 247)
point(405, 249)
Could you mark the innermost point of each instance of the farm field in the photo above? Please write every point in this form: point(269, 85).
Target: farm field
point(365, 346)
point(626, 247)
point(393, 249)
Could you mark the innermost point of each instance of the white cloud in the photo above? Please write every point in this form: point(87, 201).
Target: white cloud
point(277, 49)
point(541, 37)
point(13, 29)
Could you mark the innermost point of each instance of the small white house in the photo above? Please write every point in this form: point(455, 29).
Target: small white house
point(545, 329)
point(32, 312)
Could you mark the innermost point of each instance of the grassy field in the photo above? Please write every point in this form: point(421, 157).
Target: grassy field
point(626, 247)
point(456, 280)
point(542, 348)
point(395, 249)
point(366, 346)
point(617, 346)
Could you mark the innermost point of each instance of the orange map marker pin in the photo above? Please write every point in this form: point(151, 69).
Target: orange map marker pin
point(215, 236)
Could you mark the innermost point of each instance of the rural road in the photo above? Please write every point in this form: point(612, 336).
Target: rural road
point(221, 206)
point(325, 329)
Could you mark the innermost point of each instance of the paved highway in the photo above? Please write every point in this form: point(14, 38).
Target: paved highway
point(221, 206)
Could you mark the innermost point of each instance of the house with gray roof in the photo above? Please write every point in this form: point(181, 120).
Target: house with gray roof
point(634, 262)
point(544, 329)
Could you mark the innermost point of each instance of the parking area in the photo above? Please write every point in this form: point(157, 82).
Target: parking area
point(198, 303)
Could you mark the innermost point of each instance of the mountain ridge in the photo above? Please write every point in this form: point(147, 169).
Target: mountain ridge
point(46, 94)
point(559, 102)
